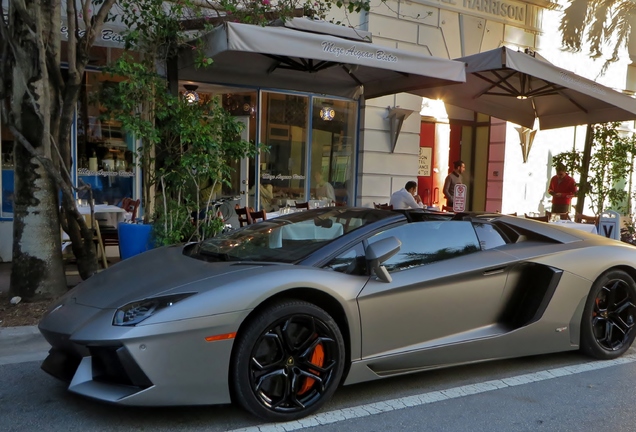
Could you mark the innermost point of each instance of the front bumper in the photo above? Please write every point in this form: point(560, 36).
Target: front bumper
point(160, 364)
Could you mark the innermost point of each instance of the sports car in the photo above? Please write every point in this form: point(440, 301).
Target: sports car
point(276, 315)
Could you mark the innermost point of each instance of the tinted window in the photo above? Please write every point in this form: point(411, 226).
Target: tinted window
point(350, 262)
point(427, 242)
point(488, 235)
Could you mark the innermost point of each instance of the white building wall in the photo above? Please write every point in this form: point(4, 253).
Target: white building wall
point(525, 184)
point(447, 29)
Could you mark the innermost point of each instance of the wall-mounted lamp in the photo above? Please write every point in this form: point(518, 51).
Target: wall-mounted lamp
point(327, 113)
point(190, 95)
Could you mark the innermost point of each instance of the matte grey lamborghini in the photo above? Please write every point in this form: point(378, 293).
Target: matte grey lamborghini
point(276, 315)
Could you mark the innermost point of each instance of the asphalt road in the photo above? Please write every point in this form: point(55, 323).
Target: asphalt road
point(563, 392)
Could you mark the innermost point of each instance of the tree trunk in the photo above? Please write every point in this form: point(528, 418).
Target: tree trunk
point(584, 185)
point(37, 269)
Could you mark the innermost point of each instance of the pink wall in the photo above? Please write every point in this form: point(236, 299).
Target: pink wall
point(496, 152)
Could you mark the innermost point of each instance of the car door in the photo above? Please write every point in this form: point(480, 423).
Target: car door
point(444, 288)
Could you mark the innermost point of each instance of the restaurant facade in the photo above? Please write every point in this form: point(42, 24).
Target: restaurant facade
point(361, 132)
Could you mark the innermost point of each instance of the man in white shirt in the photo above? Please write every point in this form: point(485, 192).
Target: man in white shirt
point(406, 197)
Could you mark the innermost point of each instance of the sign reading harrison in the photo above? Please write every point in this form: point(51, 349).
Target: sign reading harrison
point(353, 51)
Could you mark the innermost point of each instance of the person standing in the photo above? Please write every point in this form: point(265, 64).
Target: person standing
point(406, 197)
point(562, 188)
point(452, 179)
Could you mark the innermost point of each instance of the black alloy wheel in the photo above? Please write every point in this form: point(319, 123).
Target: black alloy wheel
point(288, 361)
point(607, 329)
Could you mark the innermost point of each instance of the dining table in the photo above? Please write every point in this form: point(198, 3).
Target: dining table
point(109, 215)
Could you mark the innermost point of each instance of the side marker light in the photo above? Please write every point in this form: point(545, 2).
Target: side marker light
point(220, 337)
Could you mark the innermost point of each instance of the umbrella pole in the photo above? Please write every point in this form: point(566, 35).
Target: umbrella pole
point(585, 168)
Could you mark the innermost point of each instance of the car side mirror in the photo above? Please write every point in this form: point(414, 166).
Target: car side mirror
point(379, 252)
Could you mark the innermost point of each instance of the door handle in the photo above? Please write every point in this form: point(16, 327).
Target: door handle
point(494, 271)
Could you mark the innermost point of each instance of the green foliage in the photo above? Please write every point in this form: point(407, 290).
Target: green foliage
point(262, 12)
point(611, 163)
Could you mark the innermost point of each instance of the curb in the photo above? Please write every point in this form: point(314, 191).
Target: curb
point(18, 332)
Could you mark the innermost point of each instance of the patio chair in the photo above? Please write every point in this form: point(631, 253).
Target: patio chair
point(585, 219)
point(257, 216)
point(243, 215)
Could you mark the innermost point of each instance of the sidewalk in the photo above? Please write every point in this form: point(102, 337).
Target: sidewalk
point(24, 344)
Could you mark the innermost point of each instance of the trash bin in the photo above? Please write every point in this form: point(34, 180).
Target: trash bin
point(134, 239)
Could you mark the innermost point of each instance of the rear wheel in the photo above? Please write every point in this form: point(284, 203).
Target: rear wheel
point(288, 361)
point(607, 327)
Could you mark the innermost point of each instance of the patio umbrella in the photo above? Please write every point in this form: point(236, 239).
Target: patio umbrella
point(519, 87)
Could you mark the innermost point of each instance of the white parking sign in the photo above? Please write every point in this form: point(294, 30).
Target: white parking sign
point(459, 199)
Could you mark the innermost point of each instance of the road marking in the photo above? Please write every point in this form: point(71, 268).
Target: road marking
point(335, 416)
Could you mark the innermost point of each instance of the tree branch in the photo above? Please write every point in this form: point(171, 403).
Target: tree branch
point(71, 18)
point(46, 120)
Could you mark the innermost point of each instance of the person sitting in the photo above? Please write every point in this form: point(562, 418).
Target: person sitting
point(323, 190)
point(266, 195)
point(406, 197)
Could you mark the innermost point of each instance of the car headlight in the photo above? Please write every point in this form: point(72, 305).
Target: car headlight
point(134, 313)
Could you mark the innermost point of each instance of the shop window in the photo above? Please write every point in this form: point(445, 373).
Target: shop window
point(105, 153)
point(333, 146)
point(7, 179)
point(285, 125)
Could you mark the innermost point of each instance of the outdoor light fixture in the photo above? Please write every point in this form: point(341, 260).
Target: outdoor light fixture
point(327, 113)
point(522, 97)
point(190, 95)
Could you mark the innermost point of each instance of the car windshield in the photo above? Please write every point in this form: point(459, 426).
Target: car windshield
point(287, 238)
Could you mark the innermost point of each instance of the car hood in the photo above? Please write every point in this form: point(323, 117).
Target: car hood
point(150, 274)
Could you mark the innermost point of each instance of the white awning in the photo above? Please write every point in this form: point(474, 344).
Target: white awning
point(296, 58)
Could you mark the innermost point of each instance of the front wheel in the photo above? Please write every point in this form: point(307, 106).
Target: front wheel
point(607, 327)
point(288, 361)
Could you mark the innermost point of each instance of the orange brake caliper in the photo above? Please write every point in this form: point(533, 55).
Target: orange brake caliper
point(318, 359)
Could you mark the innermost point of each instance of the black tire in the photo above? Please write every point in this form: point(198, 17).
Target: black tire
point(607, 325)
point(272, 374)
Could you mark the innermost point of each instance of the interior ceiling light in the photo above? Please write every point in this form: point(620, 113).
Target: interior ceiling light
point(190, 95)
point(327, 113)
